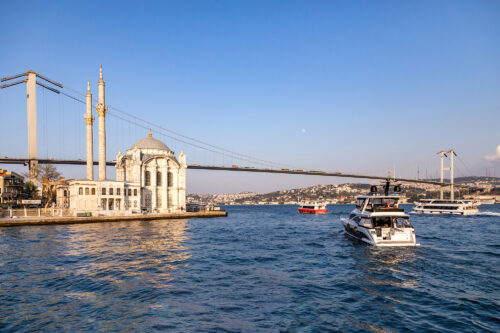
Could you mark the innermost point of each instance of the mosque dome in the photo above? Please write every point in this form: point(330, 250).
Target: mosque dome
point(150, 143)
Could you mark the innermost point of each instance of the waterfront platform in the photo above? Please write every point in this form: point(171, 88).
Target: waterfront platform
point(25, 221)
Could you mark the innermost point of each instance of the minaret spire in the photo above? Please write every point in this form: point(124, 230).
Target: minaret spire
point(89, 119)
point(150, 135)
point(101, 110)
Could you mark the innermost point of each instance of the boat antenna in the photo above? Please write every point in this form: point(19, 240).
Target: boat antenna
point(387, 182)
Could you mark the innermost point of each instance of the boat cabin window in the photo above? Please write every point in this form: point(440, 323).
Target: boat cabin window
point(382, 202)
point(360, 203)
point(308, 207)
point(402, 222)
point(391, 222)
point(382, 222)
point(366, 222)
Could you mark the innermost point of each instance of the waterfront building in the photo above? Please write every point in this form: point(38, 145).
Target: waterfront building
point(149, 177)
point(11, 186)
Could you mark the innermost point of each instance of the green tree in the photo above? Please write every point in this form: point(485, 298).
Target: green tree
point(31, 190)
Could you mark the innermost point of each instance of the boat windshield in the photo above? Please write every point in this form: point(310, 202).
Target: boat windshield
point(391, 222)
point(382, 202)
point(360, 203)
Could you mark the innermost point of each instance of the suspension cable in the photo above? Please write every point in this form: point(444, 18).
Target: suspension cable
point(177, 139)
point(240, 156)
point(249, 159)
point(465, 165)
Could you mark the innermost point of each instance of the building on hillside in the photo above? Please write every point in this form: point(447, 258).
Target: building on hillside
point(149, 177)
point(11, 186)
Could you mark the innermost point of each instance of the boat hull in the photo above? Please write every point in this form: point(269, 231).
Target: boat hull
point(430, 211)
point(312, 211)
point(365, 235)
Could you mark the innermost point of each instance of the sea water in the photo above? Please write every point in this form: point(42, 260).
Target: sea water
point(262, 268)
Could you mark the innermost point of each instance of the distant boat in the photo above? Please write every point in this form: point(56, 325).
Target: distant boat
point(444, 206)
point(440, 206)
point(312, 208)
point(486, 200)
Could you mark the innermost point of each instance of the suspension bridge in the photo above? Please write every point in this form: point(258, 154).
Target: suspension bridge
point(33, 79)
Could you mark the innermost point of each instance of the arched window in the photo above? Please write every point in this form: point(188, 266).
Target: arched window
point(170, 179)
point(93, 190)
point(158, 178)
point(80, 191)
point(65, 193)
point(86, 191)
point(148, 178)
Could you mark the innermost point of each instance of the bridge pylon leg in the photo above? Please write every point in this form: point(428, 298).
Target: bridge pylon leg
point(33, 171)
point(32, 126)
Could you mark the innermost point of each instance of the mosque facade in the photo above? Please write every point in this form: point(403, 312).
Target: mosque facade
point(149, 177)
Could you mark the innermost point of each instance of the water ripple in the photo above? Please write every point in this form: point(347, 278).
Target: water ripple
point(260, 269)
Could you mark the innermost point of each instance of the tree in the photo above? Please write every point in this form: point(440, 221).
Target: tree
point(44, 174)
point(31, 190)
point(48, 171)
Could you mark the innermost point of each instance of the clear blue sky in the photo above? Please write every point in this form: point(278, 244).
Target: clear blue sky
point(358, 86)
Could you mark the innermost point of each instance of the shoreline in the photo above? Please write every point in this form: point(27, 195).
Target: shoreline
point(59, 220)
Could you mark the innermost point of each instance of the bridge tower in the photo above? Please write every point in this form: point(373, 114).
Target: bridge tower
point(443, 154)
point(450, 168)
point(31, 83)
point(32, 125)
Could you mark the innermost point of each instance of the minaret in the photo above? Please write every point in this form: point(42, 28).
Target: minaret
point(101, 111)
point(89, 119)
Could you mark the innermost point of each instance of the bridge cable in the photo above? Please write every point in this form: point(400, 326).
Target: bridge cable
point(465, 165)
point(179, 134)
point(246, 158)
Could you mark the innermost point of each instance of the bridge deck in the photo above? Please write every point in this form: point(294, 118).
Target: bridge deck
point(8, 160)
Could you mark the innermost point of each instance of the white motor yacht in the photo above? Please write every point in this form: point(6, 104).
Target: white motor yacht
point(442, 206)
point(377, 220)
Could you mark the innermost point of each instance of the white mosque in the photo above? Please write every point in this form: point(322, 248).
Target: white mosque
point(149, 178)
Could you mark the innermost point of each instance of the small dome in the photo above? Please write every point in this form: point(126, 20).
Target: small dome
point(150, 143)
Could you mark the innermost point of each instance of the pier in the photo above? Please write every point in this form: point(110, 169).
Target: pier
point(33, 221)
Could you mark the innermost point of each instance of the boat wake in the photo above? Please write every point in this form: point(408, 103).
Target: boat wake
point(489, 213)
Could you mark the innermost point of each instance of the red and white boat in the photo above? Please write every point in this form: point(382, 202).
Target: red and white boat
point(312, 208)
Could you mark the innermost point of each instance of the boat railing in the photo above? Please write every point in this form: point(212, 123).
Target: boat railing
point(385, 209)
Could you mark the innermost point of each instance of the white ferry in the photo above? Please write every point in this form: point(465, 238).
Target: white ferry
point(312, 208)
point(377, 220)
point(442, 206)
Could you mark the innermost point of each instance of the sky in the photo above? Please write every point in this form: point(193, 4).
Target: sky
point(353, 86)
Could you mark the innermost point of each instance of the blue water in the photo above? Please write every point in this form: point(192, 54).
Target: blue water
point(263, 268)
